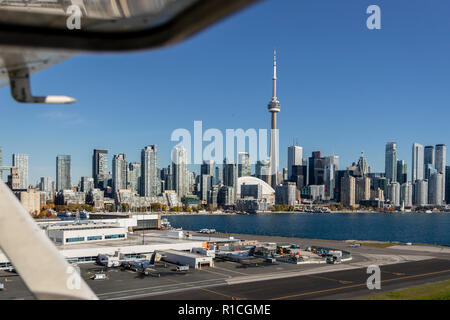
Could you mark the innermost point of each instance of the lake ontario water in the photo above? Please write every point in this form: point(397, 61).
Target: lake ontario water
point(427, 228)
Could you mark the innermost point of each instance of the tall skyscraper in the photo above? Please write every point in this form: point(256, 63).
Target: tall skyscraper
point(20, 161)
point(406, 194)
point(420, 192)
point(230, 175)
point(274, 107)
point(46, 184)
point(86, 184)
point(362, 165)
point(119, 172)
point(428, 156)
point(348, 191)
point(63, 177)
point(362, 189)
point(391, 161)
point(149, 177)
point(447, 184)
point(100, 168)
point(428, 161)
point(207, 167)
point(417, 170)
point(402, 172)
point(330, 181)
point(441, 159)
point(244, 168)
point(435, 189)
point(295, 156)
point(134, 177)
point(262, 170)
point(316, 169)
point(218, 176)
point(180, 171)
point(393, 193)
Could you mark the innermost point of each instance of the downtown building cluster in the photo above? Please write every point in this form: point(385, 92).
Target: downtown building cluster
point(313, 180)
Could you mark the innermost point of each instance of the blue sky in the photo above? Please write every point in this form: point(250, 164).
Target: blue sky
point(343, 88)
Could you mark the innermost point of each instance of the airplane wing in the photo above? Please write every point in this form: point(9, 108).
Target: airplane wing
point(45, 271)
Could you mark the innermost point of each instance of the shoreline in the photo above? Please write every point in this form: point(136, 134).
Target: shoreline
point(287, 212)
point(367, 243)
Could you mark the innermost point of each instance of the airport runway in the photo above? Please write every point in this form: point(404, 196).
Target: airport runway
point(402, 266)
point(346, 284)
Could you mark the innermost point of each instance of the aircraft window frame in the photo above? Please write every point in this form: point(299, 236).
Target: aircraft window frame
point(187, 23)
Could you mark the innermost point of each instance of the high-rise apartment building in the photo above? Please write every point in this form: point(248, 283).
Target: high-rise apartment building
point(63, 175)
point(20, 161)
point(393, 193)
point(362, 189)
point(230, 175)
point(86, 184)
point(100, 168)
point(402, 172)
point(435, 189)
point(316, 169)
point(295, 157)
point(391, 161)
point(207, 167)
point(119, 172)
point(244, 168)
point(421, 192)
point(417, 169)
point(406, 194)
point(447, 184)
point(149, 177)
point(441, 159)
point(348, 190)
point(180, 171)
point(134, 177)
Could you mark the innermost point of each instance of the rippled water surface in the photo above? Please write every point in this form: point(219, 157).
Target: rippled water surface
point(408, 227)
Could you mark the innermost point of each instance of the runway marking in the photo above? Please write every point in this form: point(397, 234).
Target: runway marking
point(175, 290)
point(331, 279)
point(395, 273)
point(153, 287)
point(222, 274)
point(245, 274)
point(211, 291)
point(359, 285)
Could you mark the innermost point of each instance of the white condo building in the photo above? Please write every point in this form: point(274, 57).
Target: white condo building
point(406, 194)
point(435, 189)
point(417, 169)
point(441, 159)
point(180, 172)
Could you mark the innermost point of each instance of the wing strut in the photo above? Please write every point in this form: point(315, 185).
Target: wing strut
point(21, 89)
point(40, 264)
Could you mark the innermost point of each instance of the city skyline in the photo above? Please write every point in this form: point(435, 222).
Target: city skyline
point(439, 166)
point(320, 87)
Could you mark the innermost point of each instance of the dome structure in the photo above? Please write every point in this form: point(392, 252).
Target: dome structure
point(267, 190)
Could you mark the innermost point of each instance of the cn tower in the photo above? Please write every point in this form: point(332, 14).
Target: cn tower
point(274, 108)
